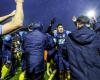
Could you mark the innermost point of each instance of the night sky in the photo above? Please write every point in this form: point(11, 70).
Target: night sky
point(44, 10)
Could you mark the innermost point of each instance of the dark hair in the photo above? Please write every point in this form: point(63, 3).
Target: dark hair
point(59, 25)
point(30, 26)
point(83, 19)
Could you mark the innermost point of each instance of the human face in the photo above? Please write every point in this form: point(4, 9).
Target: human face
point(79, 25)
point(60, 29)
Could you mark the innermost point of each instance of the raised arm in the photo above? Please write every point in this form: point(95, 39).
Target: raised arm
point(17, 20)
point(3, 18)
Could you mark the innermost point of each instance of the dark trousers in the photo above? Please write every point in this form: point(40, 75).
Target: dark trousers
point(34, 76)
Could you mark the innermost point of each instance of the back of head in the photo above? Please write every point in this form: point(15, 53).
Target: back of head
point(83, 19)
point(37, 26)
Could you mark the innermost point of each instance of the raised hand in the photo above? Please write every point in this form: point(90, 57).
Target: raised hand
point(74, 18)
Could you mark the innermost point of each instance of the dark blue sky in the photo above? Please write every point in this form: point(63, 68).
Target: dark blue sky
point(44, 10)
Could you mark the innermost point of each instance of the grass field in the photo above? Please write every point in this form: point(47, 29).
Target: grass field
point(17, 74)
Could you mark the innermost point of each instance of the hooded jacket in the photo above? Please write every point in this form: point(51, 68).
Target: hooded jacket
point(83, 54)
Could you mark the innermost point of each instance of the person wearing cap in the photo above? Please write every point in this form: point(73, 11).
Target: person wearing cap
point(83, 52)
point(34, 45)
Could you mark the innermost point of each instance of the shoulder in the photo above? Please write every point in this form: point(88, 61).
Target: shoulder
point(67, 32)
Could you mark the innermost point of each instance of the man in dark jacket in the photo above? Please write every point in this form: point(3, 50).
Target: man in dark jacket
point(34, 46)
point(83, 52)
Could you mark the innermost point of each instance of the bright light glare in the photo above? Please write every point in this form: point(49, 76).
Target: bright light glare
point(91, 14)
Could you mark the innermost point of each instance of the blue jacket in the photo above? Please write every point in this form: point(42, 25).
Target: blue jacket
point(83, 53)
point(34, 46)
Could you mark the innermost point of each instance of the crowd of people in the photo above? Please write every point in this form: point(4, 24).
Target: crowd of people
point(45, 53)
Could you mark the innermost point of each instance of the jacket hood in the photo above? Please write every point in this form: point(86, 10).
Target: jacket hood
point(83, 35)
